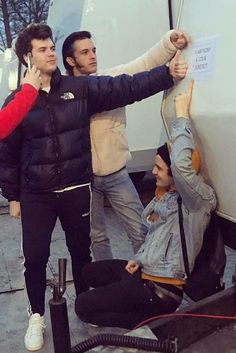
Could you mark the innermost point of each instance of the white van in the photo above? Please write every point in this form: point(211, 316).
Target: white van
point(212, 58)
point(124, 29)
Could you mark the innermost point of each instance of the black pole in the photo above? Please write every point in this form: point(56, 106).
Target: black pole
point(60, 326)
point(19, 74)
point(59, 313)
point(170, 14)
point(62, 276)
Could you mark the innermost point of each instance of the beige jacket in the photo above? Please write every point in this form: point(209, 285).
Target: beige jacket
point(110, 151)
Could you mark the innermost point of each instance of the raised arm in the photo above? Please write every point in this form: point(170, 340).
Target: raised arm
point(13, 113)
point(160, 54)
point(190, 185)
point(106, 93)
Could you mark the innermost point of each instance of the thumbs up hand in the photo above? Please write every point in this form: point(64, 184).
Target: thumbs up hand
point(178, 68)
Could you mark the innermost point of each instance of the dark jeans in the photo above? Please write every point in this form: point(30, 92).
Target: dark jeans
point(39, 213)
point(118, 298)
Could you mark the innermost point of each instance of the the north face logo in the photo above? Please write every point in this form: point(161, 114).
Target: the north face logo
point(67, 95)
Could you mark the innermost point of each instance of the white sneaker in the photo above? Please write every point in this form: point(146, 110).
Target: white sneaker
point(34, 334)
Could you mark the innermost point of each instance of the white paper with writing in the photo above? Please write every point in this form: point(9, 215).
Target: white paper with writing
point(202, 58)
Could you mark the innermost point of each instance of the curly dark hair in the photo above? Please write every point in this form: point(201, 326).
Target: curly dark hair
point(67, 47)
point(33, 31)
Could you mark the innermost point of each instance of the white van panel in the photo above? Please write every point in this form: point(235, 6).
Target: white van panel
point(213, 108)
point(122, 30)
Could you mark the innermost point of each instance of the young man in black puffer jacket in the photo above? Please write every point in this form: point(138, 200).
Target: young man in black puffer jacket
point(46, 163)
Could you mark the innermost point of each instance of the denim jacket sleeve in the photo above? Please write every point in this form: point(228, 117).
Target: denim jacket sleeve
point(194, 191)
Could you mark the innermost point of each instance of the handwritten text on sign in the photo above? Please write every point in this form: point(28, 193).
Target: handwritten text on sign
point(202, 58)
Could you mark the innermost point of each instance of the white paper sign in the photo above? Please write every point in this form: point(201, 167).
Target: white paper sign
point(202, 58)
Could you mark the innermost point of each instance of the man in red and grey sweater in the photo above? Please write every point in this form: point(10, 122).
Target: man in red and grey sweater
point(13, 113)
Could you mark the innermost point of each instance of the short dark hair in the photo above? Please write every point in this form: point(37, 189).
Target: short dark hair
point(67, 47)
point(164, 153)
point(33, 31)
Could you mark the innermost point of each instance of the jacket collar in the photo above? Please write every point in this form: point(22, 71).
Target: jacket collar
point(55, 81)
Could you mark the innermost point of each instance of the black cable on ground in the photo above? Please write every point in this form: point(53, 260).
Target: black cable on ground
point(152, 345)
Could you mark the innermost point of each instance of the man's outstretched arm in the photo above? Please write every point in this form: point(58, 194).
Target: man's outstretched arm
point(160, 54)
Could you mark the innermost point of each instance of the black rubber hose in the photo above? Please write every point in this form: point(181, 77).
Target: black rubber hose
point(165, 346)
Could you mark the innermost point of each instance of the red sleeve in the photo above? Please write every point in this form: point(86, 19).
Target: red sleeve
point(15, 110)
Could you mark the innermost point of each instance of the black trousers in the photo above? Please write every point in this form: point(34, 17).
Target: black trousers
point(39, 213)
point(118, 298)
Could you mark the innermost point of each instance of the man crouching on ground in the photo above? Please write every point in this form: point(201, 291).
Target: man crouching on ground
point(126, 293)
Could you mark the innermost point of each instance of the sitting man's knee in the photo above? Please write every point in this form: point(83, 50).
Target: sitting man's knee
point(82, 305)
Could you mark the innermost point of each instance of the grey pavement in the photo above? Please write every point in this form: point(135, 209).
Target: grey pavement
point(13, 313)
point(13, 301)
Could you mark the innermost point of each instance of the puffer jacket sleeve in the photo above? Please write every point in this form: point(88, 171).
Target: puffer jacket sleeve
point(191, 186)
point(10, 149)
point(106, 93)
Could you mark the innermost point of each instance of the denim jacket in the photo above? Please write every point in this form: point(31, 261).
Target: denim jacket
point(161, 253)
